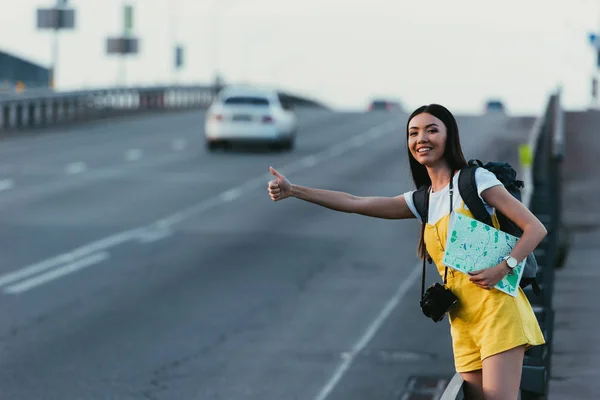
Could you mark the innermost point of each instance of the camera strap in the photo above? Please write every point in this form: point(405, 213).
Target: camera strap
point(423, 248)
point(423, 232)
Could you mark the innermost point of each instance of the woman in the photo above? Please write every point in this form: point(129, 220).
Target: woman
point(490, 329)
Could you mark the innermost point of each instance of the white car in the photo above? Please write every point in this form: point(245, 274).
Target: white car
point(246, 114)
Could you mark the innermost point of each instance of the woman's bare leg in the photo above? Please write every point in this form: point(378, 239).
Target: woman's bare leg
point(474, 385)
point(502, 374)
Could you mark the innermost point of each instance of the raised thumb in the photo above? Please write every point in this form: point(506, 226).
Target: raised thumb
point(275, 173)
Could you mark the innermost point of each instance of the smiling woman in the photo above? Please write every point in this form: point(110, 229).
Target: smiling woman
point(490, 329)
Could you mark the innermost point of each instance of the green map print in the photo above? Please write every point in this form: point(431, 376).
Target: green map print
point(473, 245)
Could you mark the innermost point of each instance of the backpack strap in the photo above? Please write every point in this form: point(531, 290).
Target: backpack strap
point(467, 187)
point(420, 202)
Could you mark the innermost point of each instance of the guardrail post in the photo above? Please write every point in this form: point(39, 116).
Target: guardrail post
point(3, 116)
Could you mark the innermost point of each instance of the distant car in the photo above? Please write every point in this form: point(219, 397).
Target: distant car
point(250, 115)
point(381, 104)
point(494, 106)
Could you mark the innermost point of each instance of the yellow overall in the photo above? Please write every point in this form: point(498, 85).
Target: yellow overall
point(484, 322)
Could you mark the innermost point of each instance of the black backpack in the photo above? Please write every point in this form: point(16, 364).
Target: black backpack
point(467, 188)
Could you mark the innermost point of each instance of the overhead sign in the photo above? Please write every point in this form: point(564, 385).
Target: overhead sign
point(56, 18)
point(122, 45)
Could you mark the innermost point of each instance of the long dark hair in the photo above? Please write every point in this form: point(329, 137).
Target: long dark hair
point(453, 154)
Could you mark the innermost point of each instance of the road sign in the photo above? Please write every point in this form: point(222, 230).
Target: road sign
point(55, 18)
point(127, 19)
point(122, 45)
point(594, 40)
point(178, 57)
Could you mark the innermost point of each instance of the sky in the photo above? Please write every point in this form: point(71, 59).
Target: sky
point(457, 53)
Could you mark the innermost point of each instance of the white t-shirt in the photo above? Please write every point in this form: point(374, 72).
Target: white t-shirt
point(439, 202)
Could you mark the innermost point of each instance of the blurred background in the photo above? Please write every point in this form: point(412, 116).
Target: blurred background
point(141, 256)
point(342, 52)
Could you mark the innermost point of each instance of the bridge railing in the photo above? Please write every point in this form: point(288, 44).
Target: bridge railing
point(542, 195)
point(545, 203)
point(39, 107)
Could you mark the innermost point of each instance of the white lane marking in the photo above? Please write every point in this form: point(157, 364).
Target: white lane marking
point(231, 194)
point(359, 140)
point(348, 357)
point(309, 161)
point(75, 168)
point(69, 257)
point(154, 235)
point(57, 273)
point(163, 223)
point(179, 144)
point(133, 154)
point(6, 184)
point(376, 133)
point(338, 150)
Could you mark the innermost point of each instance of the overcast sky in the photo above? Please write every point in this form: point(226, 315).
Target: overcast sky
point(343, 52)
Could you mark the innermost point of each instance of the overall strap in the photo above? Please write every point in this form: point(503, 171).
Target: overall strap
point(425, 218)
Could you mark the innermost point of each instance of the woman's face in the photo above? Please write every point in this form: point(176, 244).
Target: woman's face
point(427, 139)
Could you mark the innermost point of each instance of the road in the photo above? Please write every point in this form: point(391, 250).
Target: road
point(135, 265)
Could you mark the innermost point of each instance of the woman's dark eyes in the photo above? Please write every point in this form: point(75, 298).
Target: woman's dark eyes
point(413, 133)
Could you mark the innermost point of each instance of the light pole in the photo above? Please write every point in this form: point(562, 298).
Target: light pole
point(215, 37)
point(176, 46)
point(215, 12)
point(594, 39)
point(56, 18)
point(125, 44)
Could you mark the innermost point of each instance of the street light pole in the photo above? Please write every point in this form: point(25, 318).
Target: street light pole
point(174, 44)
point(215, 39)
point(54, 57)
point(56, 18)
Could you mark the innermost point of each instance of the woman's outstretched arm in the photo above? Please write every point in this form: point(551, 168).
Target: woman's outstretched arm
point(380, 207)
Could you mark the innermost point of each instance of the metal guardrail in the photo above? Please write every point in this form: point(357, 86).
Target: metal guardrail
point(42, 107)
point(546, 205)
point(542, 195)
point(454, 390)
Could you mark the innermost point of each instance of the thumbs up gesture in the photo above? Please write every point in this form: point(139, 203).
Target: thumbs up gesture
point(280, 187)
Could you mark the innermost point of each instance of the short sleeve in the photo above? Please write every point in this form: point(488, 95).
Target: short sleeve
point(485, 180)
point(408, 197)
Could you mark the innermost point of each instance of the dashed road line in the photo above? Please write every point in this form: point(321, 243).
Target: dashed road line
point(179, 144)
point(75, 168)
point(94, 252)
point(57, 273)
point(6, 184)
point(133, 154)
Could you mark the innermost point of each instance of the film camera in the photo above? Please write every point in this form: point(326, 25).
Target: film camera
point(437, 301)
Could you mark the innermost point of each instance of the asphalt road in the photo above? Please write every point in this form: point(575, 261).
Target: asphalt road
point(135, 265)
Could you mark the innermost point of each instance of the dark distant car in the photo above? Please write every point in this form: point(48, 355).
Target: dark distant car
point(494, 106)
point(386, 105)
